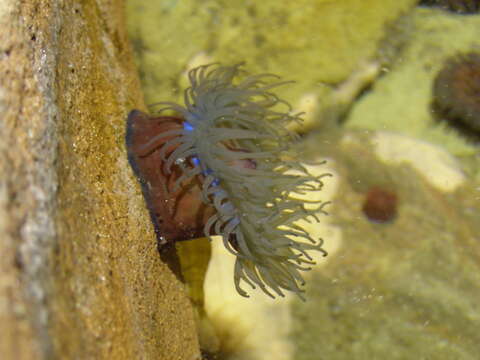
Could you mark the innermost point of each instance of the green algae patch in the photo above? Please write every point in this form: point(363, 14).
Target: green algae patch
point(314, 43)
point(400, 101)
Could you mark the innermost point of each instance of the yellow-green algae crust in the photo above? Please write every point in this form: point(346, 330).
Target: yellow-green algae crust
point(408, 289)
point(312, 42)
point(401, 100)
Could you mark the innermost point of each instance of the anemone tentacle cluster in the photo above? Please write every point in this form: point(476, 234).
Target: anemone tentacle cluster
point(234, 137)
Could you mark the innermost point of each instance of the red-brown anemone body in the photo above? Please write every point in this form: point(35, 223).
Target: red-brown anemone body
point(176, 215)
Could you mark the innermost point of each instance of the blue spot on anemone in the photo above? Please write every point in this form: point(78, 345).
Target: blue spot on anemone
point(235, 137)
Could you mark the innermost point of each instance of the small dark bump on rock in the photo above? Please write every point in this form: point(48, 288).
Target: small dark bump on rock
point(456, 92)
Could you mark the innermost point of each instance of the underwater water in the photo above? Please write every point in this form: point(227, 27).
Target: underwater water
point(390, 95)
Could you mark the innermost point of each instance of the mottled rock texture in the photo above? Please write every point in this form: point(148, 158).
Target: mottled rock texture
point(405, 92)
point(317, 43)
point(80, 274)
point(404, 289)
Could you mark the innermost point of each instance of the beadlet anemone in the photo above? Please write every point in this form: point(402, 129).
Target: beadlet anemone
point(231, 137)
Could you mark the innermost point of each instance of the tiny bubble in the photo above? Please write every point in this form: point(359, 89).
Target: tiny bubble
point(162, 240)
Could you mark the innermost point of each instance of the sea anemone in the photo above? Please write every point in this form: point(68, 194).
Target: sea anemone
point(234, 138)
point(456, 91)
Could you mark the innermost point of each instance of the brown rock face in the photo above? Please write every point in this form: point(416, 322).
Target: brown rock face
point(80, 274)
